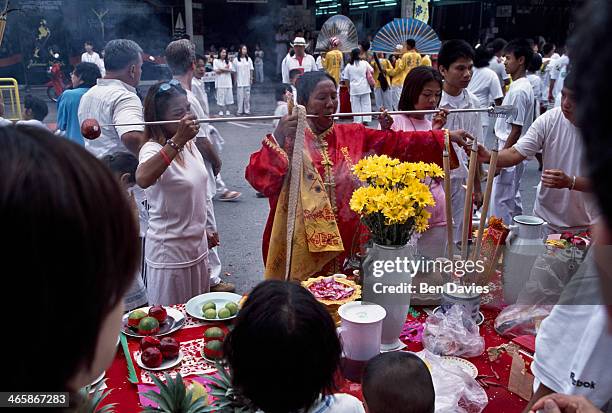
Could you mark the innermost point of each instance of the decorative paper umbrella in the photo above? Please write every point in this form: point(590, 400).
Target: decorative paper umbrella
point(3, 15)
point(340, 27)
point(399, 30)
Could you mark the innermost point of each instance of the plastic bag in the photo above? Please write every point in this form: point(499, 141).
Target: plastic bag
point(453, 333)
point(519, 320)
point(456, 391)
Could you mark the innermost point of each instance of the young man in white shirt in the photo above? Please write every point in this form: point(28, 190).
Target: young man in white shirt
point(558, 72)
point(485, 85)
point(114, 100)
point(197, 84)
point(36, 111)
point(300, 60)
point(505, 198)
point(561, 199)
point(497, 48)
point(455, 62)
point(92, 57)
point(181, 58)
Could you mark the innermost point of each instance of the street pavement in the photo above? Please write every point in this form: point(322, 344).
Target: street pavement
point(241, 223)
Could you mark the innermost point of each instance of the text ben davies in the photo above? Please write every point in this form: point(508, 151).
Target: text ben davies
point(424, 288)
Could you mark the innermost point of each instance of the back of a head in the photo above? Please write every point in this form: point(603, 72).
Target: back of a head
point(180, 56)
point(398, 382)
point(411, 43)
point(497, 45)
point(89, 73)
point(279, 93)
point(520, 48)
point(355, 56)
point(548, 48)
point(453, 50)
point(482, 56)
point(122, 163)
point(37, 106)
point(293, 73)
point(62, 212)
point(284, 350)
point(120, 53)
point(536, 63)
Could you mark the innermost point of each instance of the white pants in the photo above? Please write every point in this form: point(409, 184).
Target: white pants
point(259, 75)
point(167, 286)
point(361, 103)
point(458, 205)
point(225, 96)
point(505, 197)
point(383, 98)
point(396, 93)
point(244, 99)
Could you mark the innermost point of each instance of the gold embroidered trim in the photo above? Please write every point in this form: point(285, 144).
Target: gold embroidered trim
point(274, 146)
point(328, 180)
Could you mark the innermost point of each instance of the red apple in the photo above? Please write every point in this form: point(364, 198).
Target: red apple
point(151, 357)
point(158, 312)
point(169, 348)
point(149, 341)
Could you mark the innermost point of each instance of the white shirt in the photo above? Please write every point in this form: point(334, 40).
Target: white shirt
point(470, 122)
point(520, 95)
point(95, 59)
point(33, 122)
point(319, 62)
point(499, 68)
point(176, 237)
point(243, 68)
point(307, 64)
point(536, 86)
point(562, 148)
point(5, 122)
point(336, 403)
point(558, 72)
point(223, 79)
point(356, 74)
point(282, 109)
point(197, 110)
point(111, 101)
point(198, 89)
point(485, 86)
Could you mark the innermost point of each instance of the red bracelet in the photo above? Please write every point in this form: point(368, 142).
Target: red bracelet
point(165, 156)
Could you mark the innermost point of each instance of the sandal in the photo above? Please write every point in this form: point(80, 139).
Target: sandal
point(230, 196)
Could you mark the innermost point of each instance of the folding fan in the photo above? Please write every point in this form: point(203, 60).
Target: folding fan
point(399, 30)
point(340, 27)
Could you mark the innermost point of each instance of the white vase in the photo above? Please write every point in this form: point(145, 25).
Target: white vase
point(396, 304)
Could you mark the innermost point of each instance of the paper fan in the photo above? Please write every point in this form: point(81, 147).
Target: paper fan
point(400, 30)
point(340, 27)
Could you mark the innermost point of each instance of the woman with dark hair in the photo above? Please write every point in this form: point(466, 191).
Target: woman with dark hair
point(259, 55)
point(81, 250)
point(284, 353)
point(83, 77)
point(223, 81)
point(485, 84)
point(243, 66)
point(356, 74)
point(330, 151)
point(173, 175)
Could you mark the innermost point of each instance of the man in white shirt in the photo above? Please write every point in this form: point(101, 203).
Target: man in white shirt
point(197, 84)
point(36, 111)
point(92, 57)
point(455, 62)
point(114, 100)
point(561, 200)
point(558, 72)
point(300, 60)
point(485, 85)
point(505, 198)
point(497, 48)
point(181, 58)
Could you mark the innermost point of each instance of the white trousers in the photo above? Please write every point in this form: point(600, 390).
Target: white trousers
point(167, 286)
point(383, 98)
point(396, 93)
point(361, 103)
point(458, 205)
point(259, 75)
point(224, 96)
point(505, 197)
point(244, 99)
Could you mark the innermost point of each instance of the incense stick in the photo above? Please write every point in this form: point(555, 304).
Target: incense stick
point(487, 199)
point(467, 211)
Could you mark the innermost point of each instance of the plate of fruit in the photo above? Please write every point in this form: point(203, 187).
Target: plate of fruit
point(152, 321)
point(156, 354)
point(212, 347)
point(214, 306)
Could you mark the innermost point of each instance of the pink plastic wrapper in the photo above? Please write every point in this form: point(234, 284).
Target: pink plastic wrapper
point(331, 290)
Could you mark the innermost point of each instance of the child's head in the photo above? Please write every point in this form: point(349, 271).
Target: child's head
point(282, 91)
point(283, 351)
point(398, 382)
point(294, 75)
point(518, 55)
point(536, 63)
point(123, 165)
point(35, 108)
point(455, 62)
point(422, 89)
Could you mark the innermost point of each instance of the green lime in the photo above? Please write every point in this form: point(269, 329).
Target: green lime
point(232, 307)
point(208, 305)
point(224, 313)
point(210, 314)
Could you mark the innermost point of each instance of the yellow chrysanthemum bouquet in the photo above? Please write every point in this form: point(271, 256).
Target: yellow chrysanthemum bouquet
point(393, 201)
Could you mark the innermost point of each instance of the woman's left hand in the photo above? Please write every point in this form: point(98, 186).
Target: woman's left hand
point(555, 178)
point(439, 120)
point(385, 120)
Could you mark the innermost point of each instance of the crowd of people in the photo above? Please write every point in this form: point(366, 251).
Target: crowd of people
point(80, 213)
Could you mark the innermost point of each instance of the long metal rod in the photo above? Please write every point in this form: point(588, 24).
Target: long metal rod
point(273, 117)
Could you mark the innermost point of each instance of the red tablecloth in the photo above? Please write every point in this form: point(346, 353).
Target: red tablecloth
point(125, 394)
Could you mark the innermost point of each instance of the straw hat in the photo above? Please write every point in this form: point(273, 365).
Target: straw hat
point(298, 41)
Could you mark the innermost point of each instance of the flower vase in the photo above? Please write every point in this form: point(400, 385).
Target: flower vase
point(387, 282)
